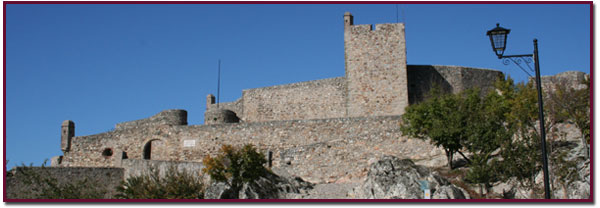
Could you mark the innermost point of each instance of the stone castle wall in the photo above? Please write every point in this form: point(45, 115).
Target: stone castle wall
point(450, 79)
point(106, 179)
point(168, 117)
point(328, 98)
point(324, 98)
point(297, 146)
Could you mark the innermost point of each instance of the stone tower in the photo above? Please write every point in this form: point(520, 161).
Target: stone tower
point(375, 68)
point(67, 132)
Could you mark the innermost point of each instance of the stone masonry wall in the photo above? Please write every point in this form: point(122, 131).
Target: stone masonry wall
point(297, 145)
point(375, 69)
point(136, 167)
point(106, 179)
point(451, 79)
point(304, 100)
point(236, 106)
point(170, 117)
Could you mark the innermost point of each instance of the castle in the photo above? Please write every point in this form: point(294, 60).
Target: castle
point(325, 130)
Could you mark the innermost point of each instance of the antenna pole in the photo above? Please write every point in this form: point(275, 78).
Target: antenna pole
point(396, 13)
point(219, 84)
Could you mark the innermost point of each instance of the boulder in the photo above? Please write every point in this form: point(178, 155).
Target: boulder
point(394, 178)
point(271, 186)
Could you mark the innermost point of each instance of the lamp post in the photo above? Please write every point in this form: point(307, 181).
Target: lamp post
point(498, 37)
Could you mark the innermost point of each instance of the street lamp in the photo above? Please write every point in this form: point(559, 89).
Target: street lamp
point(498, 37)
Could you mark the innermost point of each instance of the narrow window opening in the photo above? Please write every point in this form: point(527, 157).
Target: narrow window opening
point(147, 150)
point(270, 159)
point(124, 155)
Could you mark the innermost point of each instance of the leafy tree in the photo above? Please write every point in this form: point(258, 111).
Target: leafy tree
point(174, 184)
point(437, 119)
point(485, 130)
point(236, 166)
point(521, 153)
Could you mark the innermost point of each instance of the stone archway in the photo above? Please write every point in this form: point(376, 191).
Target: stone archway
point(155, 149)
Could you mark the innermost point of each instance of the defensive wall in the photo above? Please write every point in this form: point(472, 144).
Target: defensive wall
point(328, 98)
point(304, 147)
point(102, 179)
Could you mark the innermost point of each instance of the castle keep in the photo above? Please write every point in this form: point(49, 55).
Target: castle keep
point(323, 131)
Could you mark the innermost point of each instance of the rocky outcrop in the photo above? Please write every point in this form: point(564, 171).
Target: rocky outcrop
point(270, 186)
point(394, 178)
point(563, 138)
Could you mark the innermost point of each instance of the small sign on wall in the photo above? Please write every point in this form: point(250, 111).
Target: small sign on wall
point(189, 143)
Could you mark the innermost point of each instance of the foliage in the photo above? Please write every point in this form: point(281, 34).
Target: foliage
point(486, 130)
point(174, 184)
point(468, 120)
point(42, 185)
point(521, 153)
point(437, 119)
point(499, 128)
point(235, 166)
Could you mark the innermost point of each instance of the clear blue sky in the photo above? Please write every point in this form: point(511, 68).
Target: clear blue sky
point(99, 65)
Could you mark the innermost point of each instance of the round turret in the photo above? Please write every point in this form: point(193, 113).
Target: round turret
point(220, 116)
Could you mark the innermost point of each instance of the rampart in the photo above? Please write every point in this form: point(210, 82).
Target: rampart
point(450, 79)
point(324, 98)
point(101, 179)
point(296, 145)
point(328, 98)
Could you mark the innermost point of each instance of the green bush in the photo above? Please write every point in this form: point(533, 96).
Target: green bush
point(173, 185)
point(236, 166)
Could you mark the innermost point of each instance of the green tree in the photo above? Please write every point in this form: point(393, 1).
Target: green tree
point(437, 119)
point(485, 130)
point(236, 166)
point(174, 184)
point(521, 153)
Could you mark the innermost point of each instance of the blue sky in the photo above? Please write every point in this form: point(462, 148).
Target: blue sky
point(99, 65)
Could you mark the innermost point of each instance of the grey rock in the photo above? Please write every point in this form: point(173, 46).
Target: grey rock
point(449, 192)
point(394, 178)
point(270, 186)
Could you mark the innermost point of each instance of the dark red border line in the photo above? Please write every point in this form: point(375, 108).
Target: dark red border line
point(591, 199)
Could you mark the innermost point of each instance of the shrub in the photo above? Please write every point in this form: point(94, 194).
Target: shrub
point(173, 185)
point(235, 166)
